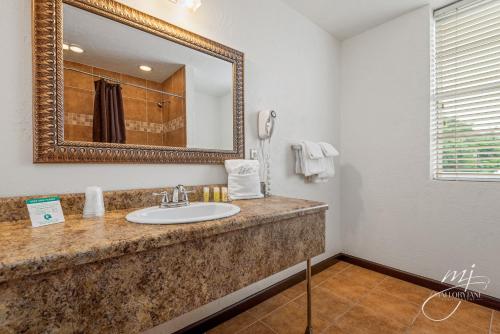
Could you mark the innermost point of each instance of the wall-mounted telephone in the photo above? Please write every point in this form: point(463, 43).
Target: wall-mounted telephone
point(266, 123)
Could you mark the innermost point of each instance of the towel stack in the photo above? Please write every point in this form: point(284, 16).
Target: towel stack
point(315, 161)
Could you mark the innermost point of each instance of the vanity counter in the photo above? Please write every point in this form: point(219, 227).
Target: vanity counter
point(27, 251)
point(109, 275)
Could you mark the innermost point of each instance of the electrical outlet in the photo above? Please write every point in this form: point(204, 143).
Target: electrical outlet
point(253, 154)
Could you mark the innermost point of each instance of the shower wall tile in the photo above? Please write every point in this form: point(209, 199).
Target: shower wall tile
point(155, 113)
point(154, 85)
point(76, 79)
point(155, 139)
point(137, 137)
point(78, 133)
point(131, 91)
point(176, 83)
point(78, 101)
point(148, 115)
point(135, 109)
point(176, 138)
point(78, 119)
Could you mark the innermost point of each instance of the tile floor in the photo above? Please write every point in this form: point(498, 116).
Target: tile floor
point(348, 299)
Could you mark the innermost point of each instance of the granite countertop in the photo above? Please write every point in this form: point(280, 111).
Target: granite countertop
point(28, 251)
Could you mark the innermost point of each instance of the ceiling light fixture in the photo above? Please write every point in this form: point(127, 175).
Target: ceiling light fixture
point(145, 68)
point(192, 5)
point(75, 48)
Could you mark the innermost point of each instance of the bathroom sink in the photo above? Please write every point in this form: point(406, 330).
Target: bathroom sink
point(195, 212)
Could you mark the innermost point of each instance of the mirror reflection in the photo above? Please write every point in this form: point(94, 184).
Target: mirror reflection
point(125, 86)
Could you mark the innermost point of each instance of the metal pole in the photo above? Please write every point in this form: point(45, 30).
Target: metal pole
point(309, 328)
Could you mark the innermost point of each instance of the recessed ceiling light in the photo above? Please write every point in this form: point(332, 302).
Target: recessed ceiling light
point(65, 46)
point(75, 48)
point(145, 68)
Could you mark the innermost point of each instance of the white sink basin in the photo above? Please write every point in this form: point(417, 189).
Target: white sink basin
point(195, 212)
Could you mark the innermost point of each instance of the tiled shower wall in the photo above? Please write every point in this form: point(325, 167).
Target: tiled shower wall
point(151, 118)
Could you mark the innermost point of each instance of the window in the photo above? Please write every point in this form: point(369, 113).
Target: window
point(465, 122)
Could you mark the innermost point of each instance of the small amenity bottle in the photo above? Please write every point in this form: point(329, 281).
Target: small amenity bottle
point(206, 194)
point(216, 194)
point(224, 194)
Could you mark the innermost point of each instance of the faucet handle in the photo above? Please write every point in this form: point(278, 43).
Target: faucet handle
point(164, 196)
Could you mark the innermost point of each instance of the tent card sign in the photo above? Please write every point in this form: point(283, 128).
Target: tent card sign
point(45, 211)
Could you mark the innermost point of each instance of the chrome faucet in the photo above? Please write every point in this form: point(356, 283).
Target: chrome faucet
point(179, 197)
point(180, 191)
point(164, 199)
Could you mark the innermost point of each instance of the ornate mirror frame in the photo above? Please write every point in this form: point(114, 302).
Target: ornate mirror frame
point(49, 145)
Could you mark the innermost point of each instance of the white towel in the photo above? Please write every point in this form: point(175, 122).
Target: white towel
point(312, 150)
point(328, 149)
point(243, 181)
point(315, 167)
point(309, 159)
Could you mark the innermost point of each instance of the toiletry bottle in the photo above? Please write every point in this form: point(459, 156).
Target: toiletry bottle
point(224, 194)
point(206, 194)
point(216, 194)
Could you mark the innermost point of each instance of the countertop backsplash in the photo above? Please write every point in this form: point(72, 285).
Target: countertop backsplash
point(14, 208)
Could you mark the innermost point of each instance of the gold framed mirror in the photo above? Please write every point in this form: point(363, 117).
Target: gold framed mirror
point(115, 85)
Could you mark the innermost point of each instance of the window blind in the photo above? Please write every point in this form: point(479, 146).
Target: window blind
point(465, 121)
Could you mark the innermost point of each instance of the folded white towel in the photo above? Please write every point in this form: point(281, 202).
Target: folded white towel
point(328, 173)
point(312, 150)
point(328, 149)
point(317, 170)
point(307, 165)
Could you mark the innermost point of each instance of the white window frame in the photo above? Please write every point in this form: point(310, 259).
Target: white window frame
point(436, 162)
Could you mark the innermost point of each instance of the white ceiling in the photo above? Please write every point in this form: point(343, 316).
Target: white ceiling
point(120, 48)
point(347, 18)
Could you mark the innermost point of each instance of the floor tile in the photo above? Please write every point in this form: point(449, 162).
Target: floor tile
point(441, 307)
point(338, 267)
point(413, 293)
point(329, 272)
point(351, 288)
point(233, 325)
point(257, 328)
point(364, 321)
point(423, 325)
point(291, 319)
point(368, 276)
point(268, 306)
point(390, 306)
point(325, 304)
point(385, 305)
point(320, 277)
point(317, 279)
point(334, 329)
point(495, 325)
point(295, 291)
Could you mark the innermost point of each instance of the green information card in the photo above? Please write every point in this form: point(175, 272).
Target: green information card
point(45, 211)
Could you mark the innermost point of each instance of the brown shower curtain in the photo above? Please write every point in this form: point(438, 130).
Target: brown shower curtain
point(109, 118)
